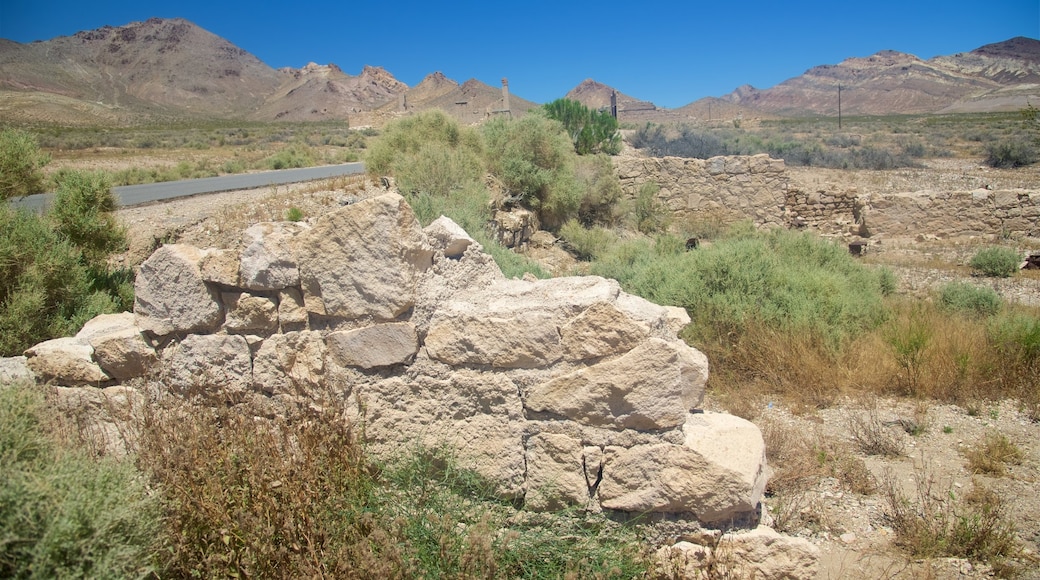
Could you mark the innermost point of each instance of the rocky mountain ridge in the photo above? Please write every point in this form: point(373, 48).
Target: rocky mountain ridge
point(163, 69)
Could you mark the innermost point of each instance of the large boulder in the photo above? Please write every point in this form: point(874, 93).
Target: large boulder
point(758, 553)
point(375, 346)
point(718, 474)
point(120, 348)
point(209, 364)
point(649, 388)
point(67, 361)
point(267, 259)
point(556, 473)
point(363, 260)
point(448, 237)
point(171, 295)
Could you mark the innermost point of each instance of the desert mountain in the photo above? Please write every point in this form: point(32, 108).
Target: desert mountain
point(1001, 76)
point(317, 92)
point(470, 102)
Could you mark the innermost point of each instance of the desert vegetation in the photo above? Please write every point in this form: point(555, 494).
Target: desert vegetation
point(786, 318)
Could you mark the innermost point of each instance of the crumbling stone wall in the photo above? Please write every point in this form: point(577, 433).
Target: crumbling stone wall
point(760, 189)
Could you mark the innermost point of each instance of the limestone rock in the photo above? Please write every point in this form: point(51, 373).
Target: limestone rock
point(363, 260)
point(120, 348)
point(267, 259)
point(68, 361)
point(220, 267)
point(292, 363)
point(292, 315)
point(735, 445)
point(673, 479)
point(448, 237)
point(208, 363)
point(447, 279)
point(649, 388)
point(170, 295)
point(379, 345)
point(758, 553)
point(105, 418)
point(249, 314)
point(475, 416)
point(476, 339)
point(601, 331)
point(555, 473)
point(13, 369)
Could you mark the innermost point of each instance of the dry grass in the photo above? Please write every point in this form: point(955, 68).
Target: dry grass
point(872, 436)
point(992, 455)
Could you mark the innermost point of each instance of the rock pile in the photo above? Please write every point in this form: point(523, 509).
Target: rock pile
point(561, 392)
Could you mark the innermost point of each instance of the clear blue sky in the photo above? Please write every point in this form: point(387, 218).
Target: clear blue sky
point(668, 52)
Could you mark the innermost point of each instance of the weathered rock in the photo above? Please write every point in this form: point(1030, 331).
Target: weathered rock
point(758, 553)
point(105, 419)
point(649, 388)
point(13, 369)
point(67, 361)
point(120, 348)
point(379, 345)
point(249, 314)
point(170, 295)
point(448, 237)
point(736, 446)
point(513, 228)
point(473, 416)
point(476, 339)
point(292, 315)
point(601, 331)
point(202, 363)
point(447, 279)
point(220, 267)
point(678, 479)
point(291, 363)
point(362, 260)
point(267, 259)
point(555, 473)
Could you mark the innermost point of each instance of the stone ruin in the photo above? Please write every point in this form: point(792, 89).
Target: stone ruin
point(564, 392)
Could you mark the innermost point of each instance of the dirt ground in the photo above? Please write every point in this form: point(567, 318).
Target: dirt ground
point(850, 528)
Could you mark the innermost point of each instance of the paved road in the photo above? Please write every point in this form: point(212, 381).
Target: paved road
point(128, 195)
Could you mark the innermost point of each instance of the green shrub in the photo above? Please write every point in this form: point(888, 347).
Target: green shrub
point(428, 153)
point(591, 131)
point(601, 191)
point(21, 164)
point(534, 159)
point(294, 156)
point(996, 262)
point(786, 280)
point(967, 298)
point(64, 514)
point(82, 212)
point(1011, 153)
point(649, 215)
point(587, 243)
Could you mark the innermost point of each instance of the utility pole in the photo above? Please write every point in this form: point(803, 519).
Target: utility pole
point(839, 105)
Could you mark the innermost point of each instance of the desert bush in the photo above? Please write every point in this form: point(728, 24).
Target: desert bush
point(1015, 341)
point(996, 262)
point(936, 522)
point(534, 159)
point(428, 153)
point(872, 436)
point(1011, 153)
point(600, 191)
point(587, 243)
point(969, 299)
point(297, 497)
point(648, 214)
point(992, 455)
point(64, 514)
point(591, 131)
point(21, 164)
point(293, 156)
point(82, 212)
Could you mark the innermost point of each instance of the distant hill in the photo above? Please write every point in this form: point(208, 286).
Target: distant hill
point(995, 77)
point(170, 69)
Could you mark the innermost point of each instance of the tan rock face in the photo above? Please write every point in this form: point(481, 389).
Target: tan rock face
point(645, 389)
point(170, 295)
point(601, 331)
point(215, 362)
point(267, 261)
point(68, 361)
point(363, 260)
point(448, 237)
point(292, 363)
point(463, 339)
point(379, 345)
point(249, 314)
point(120, 348)
point(555, 473)
point(758, 553)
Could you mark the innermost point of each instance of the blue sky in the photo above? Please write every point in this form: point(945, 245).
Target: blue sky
point(668, 52)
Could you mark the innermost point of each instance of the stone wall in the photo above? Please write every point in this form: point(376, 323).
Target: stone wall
point(564, 392)
point(759, 188)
